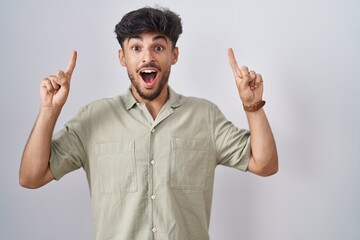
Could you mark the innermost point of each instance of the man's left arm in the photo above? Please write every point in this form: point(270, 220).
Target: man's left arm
point(264, 159)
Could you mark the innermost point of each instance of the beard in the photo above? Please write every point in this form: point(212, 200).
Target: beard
point(150, 95)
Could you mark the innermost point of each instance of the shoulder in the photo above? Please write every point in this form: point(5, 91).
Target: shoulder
point(116, 101)
point(198, 104)
point(100, 108)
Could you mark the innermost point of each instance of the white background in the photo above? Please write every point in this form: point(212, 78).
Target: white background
point(308, 53)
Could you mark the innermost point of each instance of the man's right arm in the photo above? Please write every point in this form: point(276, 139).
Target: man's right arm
point(54, 90)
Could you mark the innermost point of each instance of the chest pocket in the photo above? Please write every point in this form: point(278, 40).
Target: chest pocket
point(189, 163)
point(117, 167)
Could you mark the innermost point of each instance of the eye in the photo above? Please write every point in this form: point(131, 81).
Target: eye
point(159, 48)
point(135, 48)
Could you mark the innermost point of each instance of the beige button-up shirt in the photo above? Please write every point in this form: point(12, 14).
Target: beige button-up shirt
point(150, 179)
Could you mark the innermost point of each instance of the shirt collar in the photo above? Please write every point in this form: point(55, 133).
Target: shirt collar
point(173, 100)
point(129, 100)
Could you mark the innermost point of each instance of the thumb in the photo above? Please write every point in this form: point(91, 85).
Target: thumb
point(71, 65)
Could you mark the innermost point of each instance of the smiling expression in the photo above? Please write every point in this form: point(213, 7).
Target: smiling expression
point(148, 58)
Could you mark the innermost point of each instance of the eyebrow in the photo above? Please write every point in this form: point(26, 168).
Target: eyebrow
point(158, 37)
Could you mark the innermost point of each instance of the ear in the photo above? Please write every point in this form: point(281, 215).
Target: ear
point(121, 56)
point(175, 55)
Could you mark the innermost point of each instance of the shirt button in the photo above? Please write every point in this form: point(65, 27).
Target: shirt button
point(153, 230)
point(153, 130)
point(152, 162)
point(153, 197)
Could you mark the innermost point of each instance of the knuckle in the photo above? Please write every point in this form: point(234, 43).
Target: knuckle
point(60, 73)
point(245, 68)
point(46, 81)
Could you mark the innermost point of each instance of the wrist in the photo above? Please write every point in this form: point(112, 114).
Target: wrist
point(49, 112)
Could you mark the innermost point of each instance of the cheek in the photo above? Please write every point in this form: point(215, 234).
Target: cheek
point(130, 65)
point(167, 62)
point(129, 59)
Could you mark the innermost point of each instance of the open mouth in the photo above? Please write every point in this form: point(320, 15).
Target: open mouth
point(148, 76)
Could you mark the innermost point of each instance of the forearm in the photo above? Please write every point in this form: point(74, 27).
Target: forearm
point(34, 168)
point(264, 159)
point(263, 148)
point(54, 90)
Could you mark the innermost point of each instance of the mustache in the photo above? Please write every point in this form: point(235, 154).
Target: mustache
point(149, 65)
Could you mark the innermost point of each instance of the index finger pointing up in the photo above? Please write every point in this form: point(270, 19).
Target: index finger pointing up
point(71, 65)
point(233, 64)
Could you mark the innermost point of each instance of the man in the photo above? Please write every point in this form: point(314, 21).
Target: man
point(150, 154)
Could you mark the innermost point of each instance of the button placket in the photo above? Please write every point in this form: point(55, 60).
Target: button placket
point(151, 182)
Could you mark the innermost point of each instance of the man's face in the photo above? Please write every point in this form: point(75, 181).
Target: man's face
point(148, 59)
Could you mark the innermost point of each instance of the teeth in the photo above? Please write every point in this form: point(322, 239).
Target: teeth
point(148, 71)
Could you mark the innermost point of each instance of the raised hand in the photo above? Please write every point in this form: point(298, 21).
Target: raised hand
point(249, 83)
point(54, 89)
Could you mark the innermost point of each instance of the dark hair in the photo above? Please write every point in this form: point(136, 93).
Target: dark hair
point(149, 20)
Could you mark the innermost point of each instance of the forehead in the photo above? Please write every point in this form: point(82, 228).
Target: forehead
point(148, 37)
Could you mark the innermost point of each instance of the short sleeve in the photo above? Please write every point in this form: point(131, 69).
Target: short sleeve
point(232, 144)
point(67, 148)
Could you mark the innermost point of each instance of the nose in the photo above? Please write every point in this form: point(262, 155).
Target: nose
point(148, 56)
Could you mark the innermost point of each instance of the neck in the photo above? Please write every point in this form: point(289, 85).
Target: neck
point(154, 106)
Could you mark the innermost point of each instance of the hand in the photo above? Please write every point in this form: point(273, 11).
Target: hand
point(249, 83)
point(54, 89)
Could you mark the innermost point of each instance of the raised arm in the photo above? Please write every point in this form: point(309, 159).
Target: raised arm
point(54, 90)
point(264, 158)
